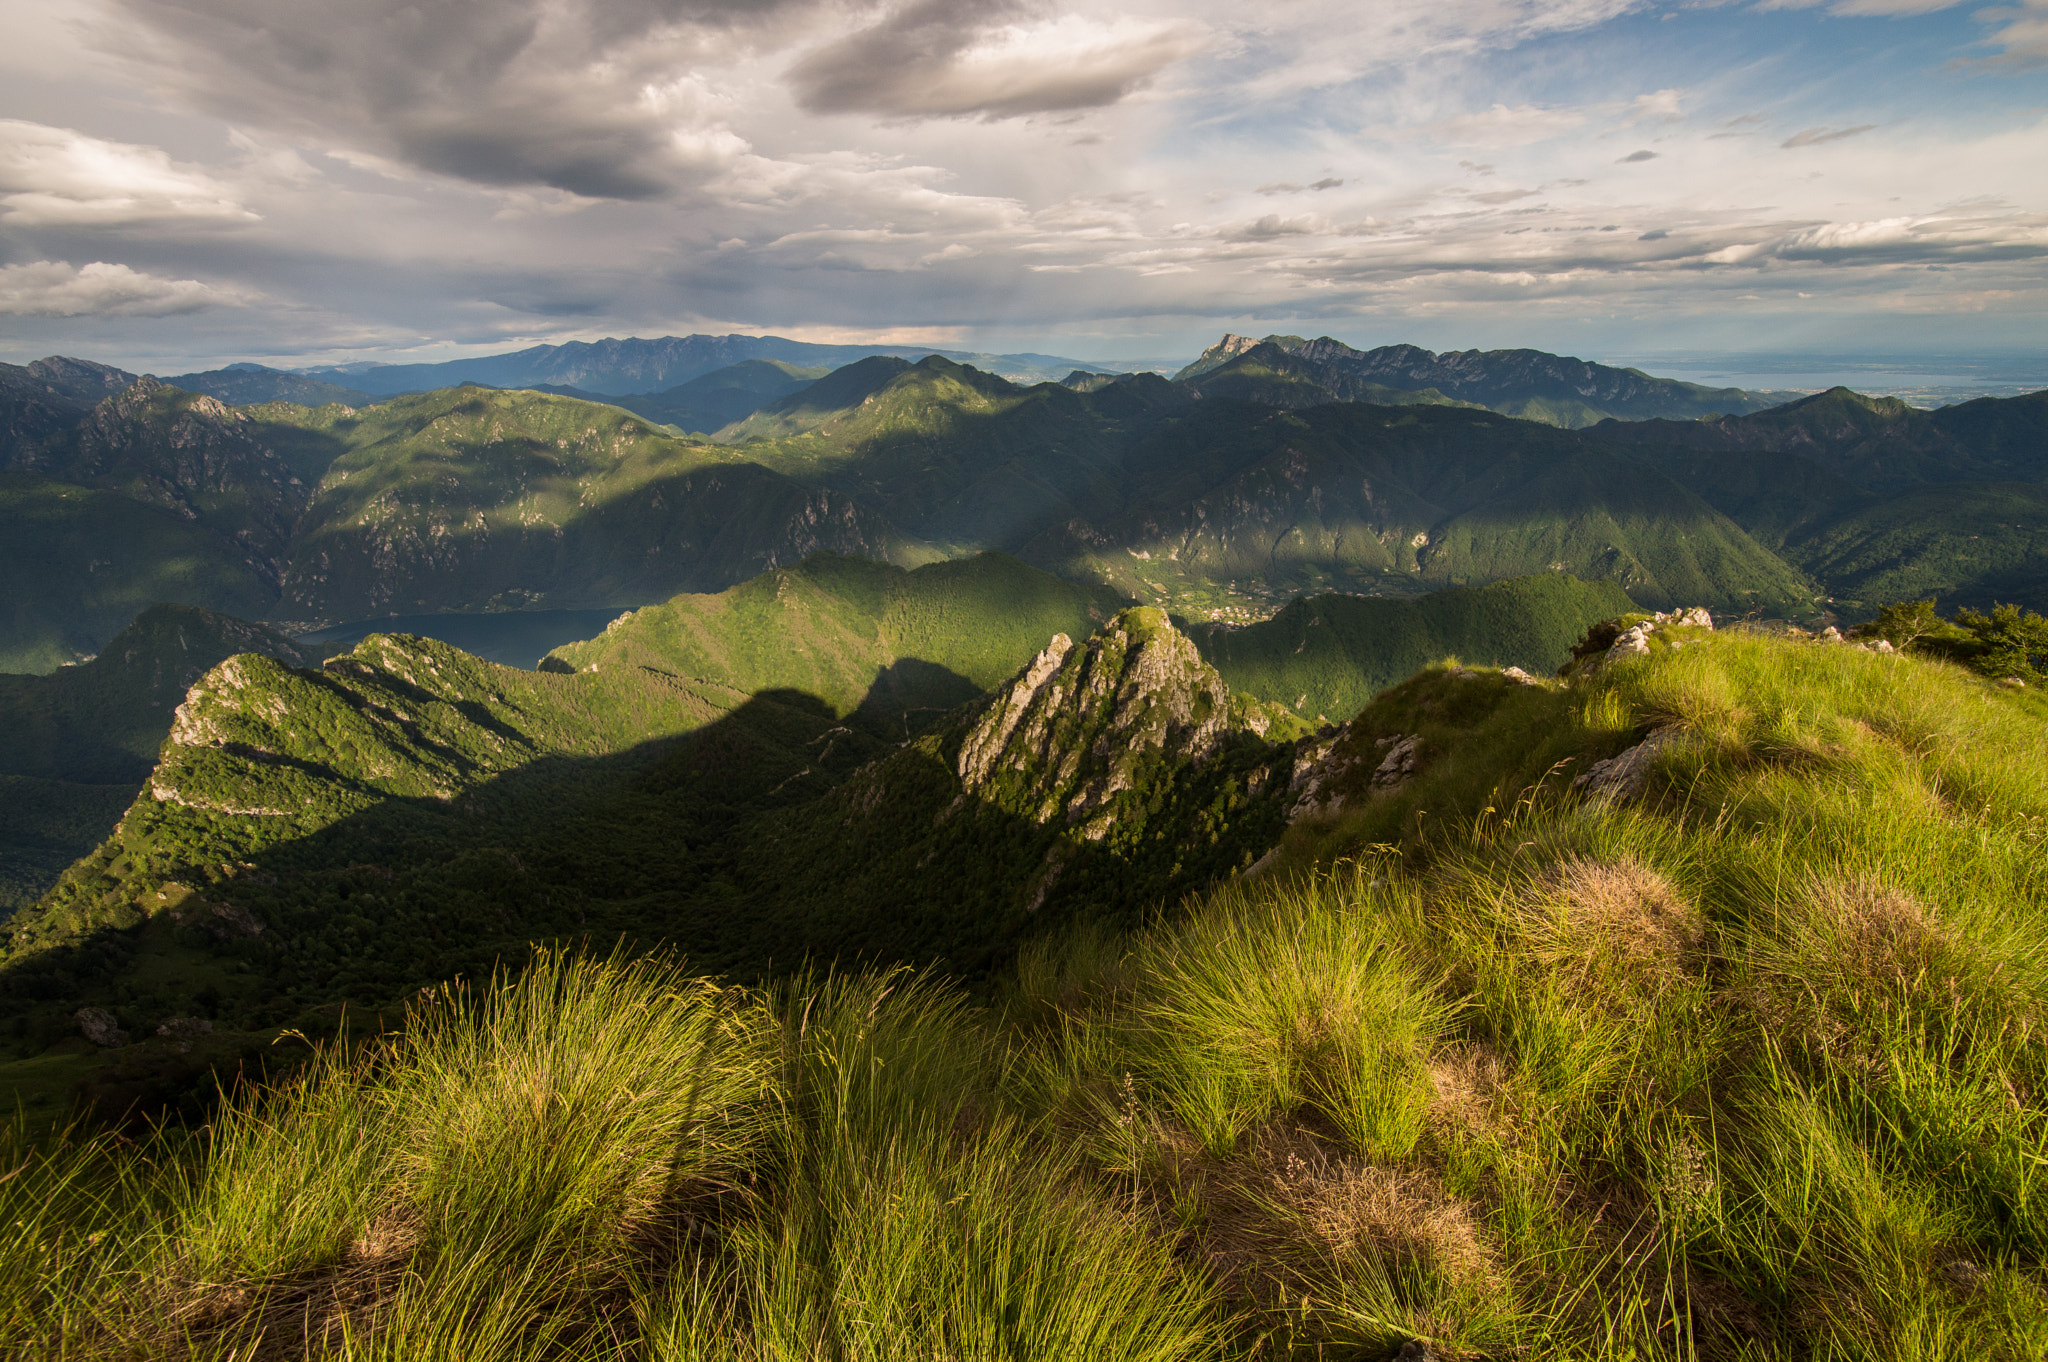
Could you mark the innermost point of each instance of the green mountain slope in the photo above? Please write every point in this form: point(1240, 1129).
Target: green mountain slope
point(1279, 378)
point(1245, 503)
point(1326, 656)
point(76, 745)
point(1216, 506)
point(474, 499)
point(102, 722)
point(42, 403)
point(960, 458)
point(1880, 444)
point(824, 402)
point(229, 470)
point(77, 564)
point(1774, 496)
point(716, 400)
point(860, 635)
point(243, 385)
point(1968, 543)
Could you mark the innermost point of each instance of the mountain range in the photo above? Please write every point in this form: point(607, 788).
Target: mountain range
point(614, 367)
point(1221, 495)
point(1530, 384)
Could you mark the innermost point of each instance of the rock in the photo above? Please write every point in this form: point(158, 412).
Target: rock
point(1398, 767)
point(1632, 641)
point(1962, 1274)
point(184, 1028)
point(1085, 725)
point(1415, 1350)
point(1698, 617)
point(1622, 777)
point(1828, 635)
point(1517, 676)
point(2013, 683)
point(98, 1026)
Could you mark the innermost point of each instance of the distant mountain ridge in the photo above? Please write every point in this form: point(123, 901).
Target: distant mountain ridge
point(617, 367)
point(1532, 384)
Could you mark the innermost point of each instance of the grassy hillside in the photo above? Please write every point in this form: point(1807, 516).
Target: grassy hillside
point(77, 564)
point(473, 499)
point(1740, 1062)
point(1326, 656)
point(860, 635)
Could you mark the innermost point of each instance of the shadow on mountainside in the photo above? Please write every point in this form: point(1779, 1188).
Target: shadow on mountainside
point(742, 846)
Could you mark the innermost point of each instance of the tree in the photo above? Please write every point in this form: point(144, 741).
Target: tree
point(2013, 642)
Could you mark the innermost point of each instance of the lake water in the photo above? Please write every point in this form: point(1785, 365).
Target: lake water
point(511, 638)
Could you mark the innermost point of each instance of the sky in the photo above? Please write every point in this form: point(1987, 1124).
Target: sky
point(188, 182)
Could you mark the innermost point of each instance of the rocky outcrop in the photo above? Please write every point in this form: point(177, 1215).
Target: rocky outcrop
point(1623, 776)
point(1629, 636)
point(1085, 730)
point(97, 1025)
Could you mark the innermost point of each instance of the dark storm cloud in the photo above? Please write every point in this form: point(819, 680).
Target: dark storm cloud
point(589, 96)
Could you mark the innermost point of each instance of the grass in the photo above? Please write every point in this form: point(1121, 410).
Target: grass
point(1748, 1066)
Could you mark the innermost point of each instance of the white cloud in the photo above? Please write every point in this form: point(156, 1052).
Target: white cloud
point(53, 288)
point(2022, 33)
point(1501, 126)
point(57, 177)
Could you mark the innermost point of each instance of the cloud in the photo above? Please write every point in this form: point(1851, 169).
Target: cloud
point(1813, 137)
point(1865, 9)
point(1285, 188)
point(1272, 227)
point(1636, 156)
point(54, 177)
point(593, 97)
point(962, 58)
point(1501, 127)
point(2023, 34)
point(53, 288)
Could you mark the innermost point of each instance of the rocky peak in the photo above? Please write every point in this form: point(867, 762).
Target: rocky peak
point(1085, 728)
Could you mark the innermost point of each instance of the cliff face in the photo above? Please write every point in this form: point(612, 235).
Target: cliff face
point(1085, 731)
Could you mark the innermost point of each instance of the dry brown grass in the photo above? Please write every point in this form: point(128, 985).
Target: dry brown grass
point(1469, 1090)
point(1845, 948)
point(1399, 1215)
point(1875, 936)
point(1615, 926)
point(1300, 1206)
